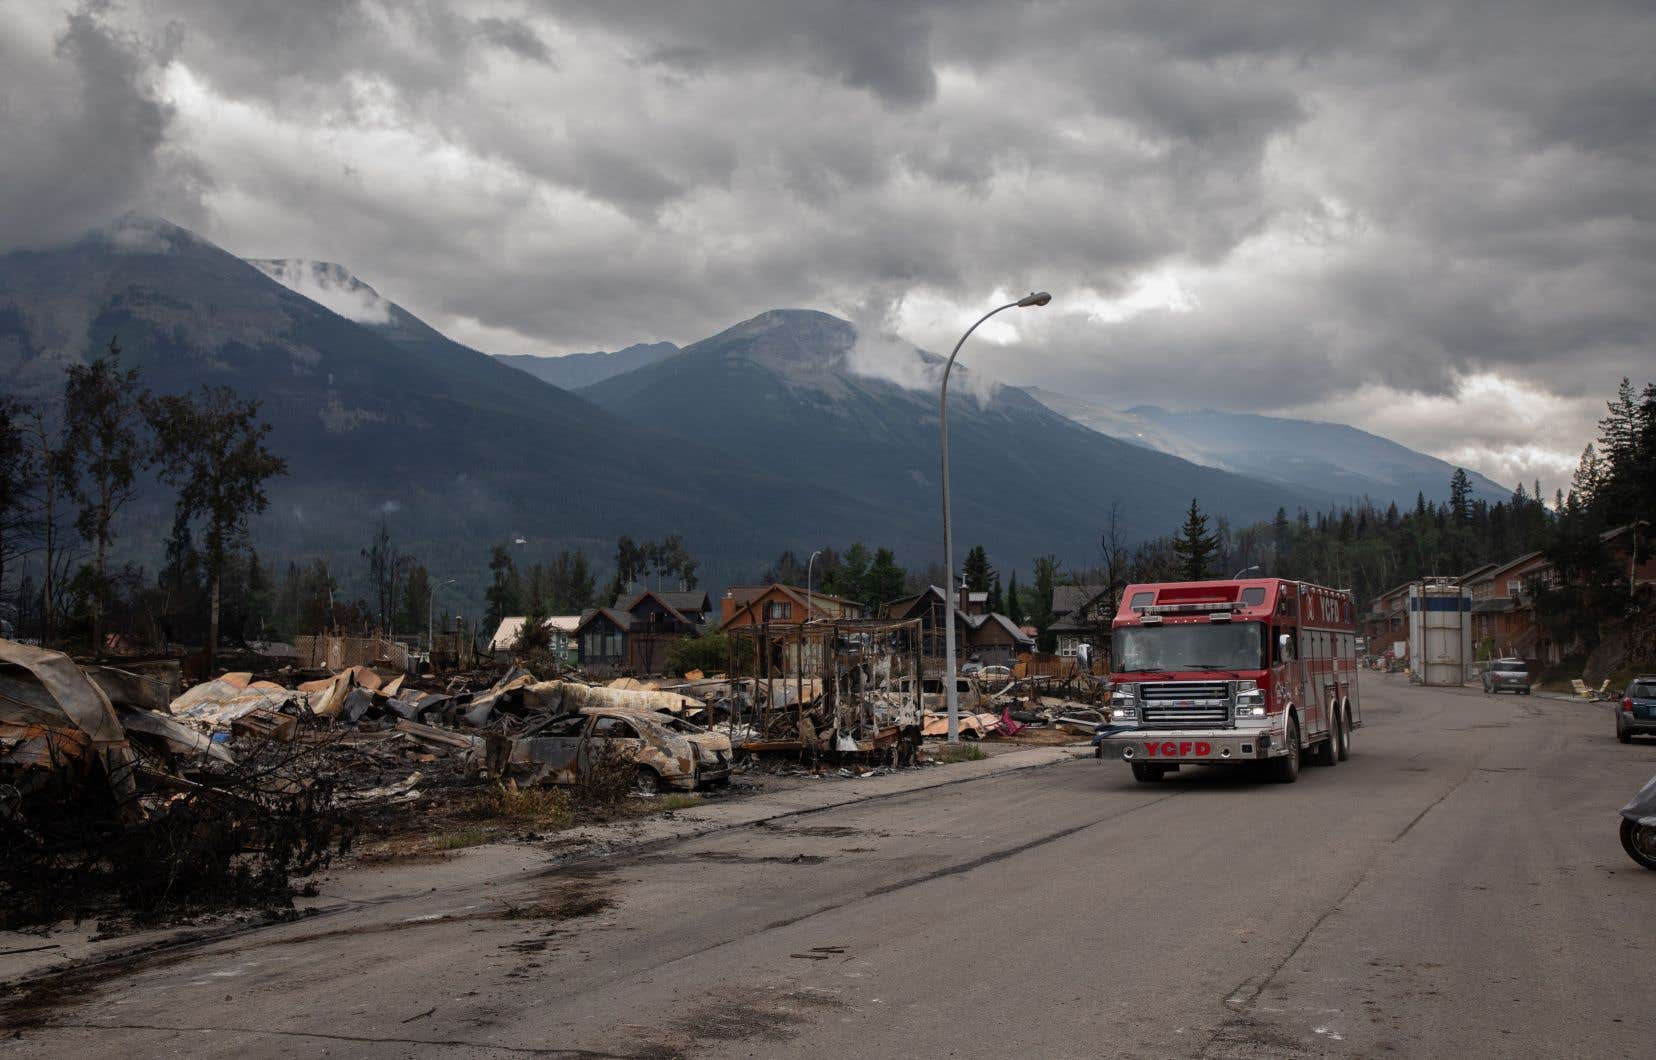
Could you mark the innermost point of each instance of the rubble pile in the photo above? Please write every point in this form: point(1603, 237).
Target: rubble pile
point(103, 794)
point(112, 786)
point(115, 783)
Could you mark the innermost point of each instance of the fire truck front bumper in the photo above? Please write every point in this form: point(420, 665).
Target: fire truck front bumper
point(1188, 747)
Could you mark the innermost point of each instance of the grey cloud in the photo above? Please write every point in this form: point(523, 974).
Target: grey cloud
point(82, 134)
point(515, 36)
point(1397, 193)
point(882, 46)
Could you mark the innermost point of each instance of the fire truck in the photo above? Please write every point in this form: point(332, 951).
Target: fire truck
point(1259, 672)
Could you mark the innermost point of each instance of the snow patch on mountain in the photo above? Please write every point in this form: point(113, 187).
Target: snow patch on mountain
point(328, 285)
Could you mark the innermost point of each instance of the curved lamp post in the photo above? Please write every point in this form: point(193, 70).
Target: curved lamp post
point(1037, 298)
point(809, 563)
point(1243, 571)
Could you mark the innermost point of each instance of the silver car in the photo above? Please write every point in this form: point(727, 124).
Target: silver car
point(1506, 675)
point(1636, 712)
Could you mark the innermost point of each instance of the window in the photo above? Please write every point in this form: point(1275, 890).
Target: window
point(564, 727)
point(1142, 600)
point(1514, 587)
point(615, 728)
point(779, 611)
point(1253, 595)
point(1222, 646)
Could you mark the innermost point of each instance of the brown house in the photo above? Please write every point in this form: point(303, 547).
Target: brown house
point(1386, 624)
point(1503, 609)
point(753, 605)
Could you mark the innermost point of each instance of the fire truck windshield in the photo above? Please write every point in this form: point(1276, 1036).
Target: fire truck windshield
point(1215, 646)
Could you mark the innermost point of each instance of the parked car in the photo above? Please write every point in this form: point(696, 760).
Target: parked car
point(666, 752)
point(1506, 675)
point(1636, 713)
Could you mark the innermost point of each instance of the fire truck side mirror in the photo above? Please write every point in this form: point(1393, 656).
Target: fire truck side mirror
point(1285, 647)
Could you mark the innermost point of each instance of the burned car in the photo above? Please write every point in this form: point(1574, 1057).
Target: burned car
point(667, 752)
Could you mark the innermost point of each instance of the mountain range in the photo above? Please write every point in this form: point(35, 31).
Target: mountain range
point(787, 431)
point(804, 392)
point(385, 418)
point(584, 369)
point(1332, 458)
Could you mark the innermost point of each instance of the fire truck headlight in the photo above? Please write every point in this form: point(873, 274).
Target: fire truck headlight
point(1123, 714)
point(1250, 704)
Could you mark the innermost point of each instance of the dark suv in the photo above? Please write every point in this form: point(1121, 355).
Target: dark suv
point(1506, 675)
point(1636, 713)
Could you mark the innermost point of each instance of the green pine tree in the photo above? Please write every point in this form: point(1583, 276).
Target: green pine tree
point(1195, 547)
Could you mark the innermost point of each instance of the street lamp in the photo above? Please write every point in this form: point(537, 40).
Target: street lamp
point(1243, 571)
point(1036, 298)
point(808, 565)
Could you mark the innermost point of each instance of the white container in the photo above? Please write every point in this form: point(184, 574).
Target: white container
point(1440, 632)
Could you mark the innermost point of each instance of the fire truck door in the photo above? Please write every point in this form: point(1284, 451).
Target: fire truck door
point(1314, 677)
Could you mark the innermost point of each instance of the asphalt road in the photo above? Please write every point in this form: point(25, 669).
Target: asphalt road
point(1455, 889)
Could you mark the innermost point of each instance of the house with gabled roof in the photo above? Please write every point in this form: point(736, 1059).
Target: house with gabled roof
point(1084, 616)
point(694, 604)
point(754, 605)
point(637, 637)
point(986, 637)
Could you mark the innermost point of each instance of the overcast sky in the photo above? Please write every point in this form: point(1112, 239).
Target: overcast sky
point(1436, 220)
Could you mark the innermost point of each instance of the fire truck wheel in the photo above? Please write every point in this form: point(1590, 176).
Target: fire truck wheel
point(1345, 732)
point(1145, 773)
point(1328, 752)
point(1285, 770)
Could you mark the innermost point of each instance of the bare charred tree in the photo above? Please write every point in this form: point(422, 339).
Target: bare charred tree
point(385, 567)
point(54, 464)
point(211, 449)
point(104, 444)
point(1116, 562)
point(17, 480)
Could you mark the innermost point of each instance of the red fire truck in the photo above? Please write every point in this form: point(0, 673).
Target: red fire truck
point(1257, 671)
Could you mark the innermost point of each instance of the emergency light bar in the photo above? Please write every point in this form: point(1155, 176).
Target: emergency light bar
point(1178, 609)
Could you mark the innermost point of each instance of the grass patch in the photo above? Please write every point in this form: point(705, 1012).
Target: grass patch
point(543, 808)
point(949, 753)
point(461, 838)
point(676, 802)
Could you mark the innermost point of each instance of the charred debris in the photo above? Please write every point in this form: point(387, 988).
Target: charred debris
point(119, 788)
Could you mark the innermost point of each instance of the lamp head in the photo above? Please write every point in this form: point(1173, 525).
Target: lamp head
point(1034, 298)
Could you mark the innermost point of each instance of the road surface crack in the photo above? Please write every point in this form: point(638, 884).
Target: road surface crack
point(1240, 1001)
point(365, 1039)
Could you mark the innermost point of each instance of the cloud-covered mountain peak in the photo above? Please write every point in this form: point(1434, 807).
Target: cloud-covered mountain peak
point(328, 284)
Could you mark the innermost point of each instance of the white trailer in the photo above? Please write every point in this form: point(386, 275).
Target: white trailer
point(1440, 632)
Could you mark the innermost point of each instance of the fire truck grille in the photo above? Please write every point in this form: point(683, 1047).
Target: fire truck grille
point(1178, 704)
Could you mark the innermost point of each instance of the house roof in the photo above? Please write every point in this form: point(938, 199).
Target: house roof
point(1492, 605)
point(511, 628)
point(621, 619)
point(687, 601)
point(748, 595)
point(995, 618)
point(1067, 599)
point(1512, 564)
point(1070, 623)
point(1476, 573)
point(904, 606)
